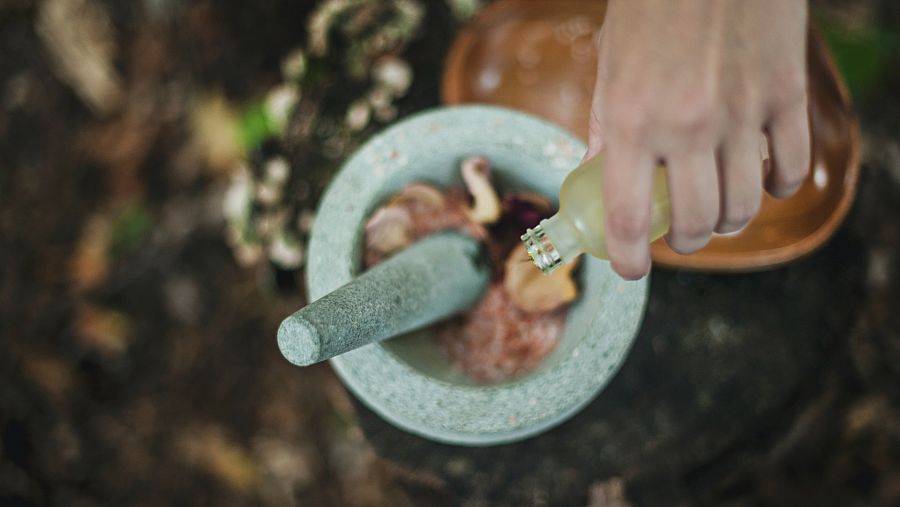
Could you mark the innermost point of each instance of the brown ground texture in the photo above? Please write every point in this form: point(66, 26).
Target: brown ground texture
point(138, 363)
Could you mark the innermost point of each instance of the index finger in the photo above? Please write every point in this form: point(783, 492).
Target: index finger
point(627, 187)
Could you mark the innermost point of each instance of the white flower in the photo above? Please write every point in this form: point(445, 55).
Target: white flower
point(358, 115)
point(286, 251)
point(239, 196)
point(280, 104)
point(278, 170)
point(394, 74)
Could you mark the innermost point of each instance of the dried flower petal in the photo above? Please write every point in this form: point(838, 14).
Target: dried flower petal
point(453, 215)
point(416, 194)
point(527, 209)
point(486, 205)
point(389, 229)
point(531, 290)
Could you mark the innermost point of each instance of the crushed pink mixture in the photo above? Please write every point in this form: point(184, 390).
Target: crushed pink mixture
point(495, 340)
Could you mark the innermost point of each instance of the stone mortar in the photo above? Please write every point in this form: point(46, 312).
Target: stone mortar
point(407, 380)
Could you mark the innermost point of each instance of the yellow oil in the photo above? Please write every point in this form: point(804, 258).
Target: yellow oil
point(579, 226)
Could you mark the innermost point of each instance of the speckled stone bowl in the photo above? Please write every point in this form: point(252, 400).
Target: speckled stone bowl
point(407, 380)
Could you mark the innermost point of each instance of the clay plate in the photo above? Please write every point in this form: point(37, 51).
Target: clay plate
point(539, 56)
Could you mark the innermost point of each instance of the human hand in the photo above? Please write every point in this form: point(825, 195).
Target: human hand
point(693, 84)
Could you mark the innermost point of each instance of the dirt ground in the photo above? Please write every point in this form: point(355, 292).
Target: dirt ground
point(138, 357)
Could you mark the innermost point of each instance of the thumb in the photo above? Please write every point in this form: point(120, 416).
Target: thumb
point(595, 136)
point(595, 125)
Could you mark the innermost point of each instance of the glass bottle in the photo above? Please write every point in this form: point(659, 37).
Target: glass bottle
point(579, 226)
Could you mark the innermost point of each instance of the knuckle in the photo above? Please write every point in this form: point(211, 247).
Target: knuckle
point(626, 113)
point(789, 99)
point(789, 89)
point(623, 95)
point(742, 107)
point(628, 123)
point(694, 118)
point(627, 225)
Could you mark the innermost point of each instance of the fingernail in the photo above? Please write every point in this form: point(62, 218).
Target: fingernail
point(629, 273)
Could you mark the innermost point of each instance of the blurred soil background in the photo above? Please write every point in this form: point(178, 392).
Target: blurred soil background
point(161, 163)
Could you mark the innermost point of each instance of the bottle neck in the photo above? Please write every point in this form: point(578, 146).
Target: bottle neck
point(552, 243)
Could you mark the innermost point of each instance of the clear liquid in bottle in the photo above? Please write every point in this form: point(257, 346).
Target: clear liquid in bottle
point(579, 225)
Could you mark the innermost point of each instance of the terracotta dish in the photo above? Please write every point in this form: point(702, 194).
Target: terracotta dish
point(539, 56)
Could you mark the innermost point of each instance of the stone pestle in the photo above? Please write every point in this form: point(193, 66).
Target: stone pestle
point(434, 278)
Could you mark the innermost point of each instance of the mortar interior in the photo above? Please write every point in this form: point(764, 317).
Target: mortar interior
point(419, 349)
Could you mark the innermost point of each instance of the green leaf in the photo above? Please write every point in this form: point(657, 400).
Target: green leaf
point(129, 230)
point(255, 126)
point(862, 54)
